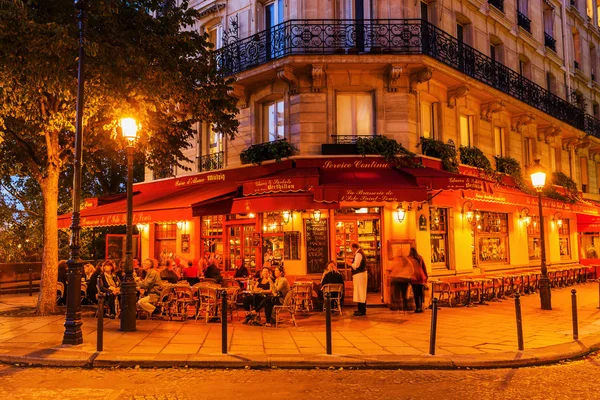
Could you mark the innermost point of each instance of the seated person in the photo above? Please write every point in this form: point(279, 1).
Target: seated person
point(331, 275)
point(92, 287)
point(152, 284)
point(262, 288)
point(280, 289)
point(213, 272)
point(241, 272)
point(108, 285)
point(168, 274)
point(191, 273)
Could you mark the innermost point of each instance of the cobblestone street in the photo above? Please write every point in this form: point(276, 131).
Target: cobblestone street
point(573, 380)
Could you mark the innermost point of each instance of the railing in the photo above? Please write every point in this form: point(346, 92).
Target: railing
point(523, 21)
point(499, 4)
point(329, 37)
point(348, 139)
point(549, 42)
point(210, 162)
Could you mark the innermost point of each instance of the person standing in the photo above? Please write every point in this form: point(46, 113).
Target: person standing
point(359, 279)
point(418, 279)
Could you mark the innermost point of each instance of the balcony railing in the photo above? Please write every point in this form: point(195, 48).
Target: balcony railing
point(498, 4)
point(210, 162)
point(523, 21)
point(549, 42)
point(330, 37)
point(348, 139)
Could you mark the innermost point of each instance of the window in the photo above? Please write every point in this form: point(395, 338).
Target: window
point(499, 145)
point(593, 63)
point(165, 247)
point(429, 127)
point(576, 49)
point(496, 49)
point(590, 245)
point(534, 245)
point(570, 152)
point(493, 52)
point(424, 11)
point(548, 20)
point(589, 9)
point(595, 110)
point(583, 162)
point(273, 121)
point(354, 114)
point(527, 151)
point(552, 156)
point(564, 237)
point(438, 223)
point(215, 140)
point(524, 66)
point(460, 32)
point(551, 82)
point(491, 237)
point(523, 7)
point(466, 130)
point(215, 36)
point(212, 234)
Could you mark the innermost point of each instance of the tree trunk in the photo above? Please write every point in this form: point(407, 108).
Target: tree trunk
point(47, 296)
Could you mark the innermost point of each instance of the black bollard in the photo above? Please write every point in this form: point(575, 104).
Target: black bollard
point(328, 322)
point(224, 322)
point(433, 331)
point(519, 321)
point(574, 310)
point(100, 328)
point(30, 282)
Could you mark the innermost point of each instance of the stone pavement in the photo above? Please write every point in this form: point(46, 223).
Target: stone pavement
point(482, 336)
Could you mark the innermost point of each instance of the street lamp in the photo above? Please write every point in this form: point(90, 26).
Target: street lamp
point(538, 180)
point(73, 334)
point(128, 296)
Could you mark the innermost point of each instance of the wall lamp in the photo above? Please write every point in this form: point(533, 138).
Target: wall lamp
point(400, 213)
point(525, 217)
point(285, 216)
point(467, 213)
point(558, 219)
point(317, 215)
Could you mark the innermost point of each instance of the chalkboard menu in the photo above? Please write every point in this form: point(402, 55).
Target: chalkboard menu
point(317, 245)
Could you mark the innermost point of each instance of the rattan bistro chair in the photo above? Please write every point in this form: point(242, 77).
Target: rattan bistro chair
point(336, 290)
point(289, 305)
point(207, 301)
point(183, 298)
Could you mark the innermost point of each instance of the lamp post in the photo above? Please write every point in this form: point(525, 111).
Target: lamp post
point(538, 180)
point(128, 295)
point(72, 334)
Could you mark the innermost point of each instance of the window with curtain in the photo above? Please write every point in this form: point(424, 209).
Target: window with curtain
point(527, 151)
point(438, 224)
point(429, 127)
point(354, 114)
point(564, 239)
point(215, 140)
point(499, 145)
point(548, 20)
point(593, 62)
point(466, 130)
point(533, 238)
point(215, 36)
point(583, 162)
point(273, 115)
point(523, 7)
point(576, 49)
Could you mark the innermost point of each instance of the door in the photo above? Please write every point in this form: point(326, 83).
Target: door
point(241, 249)
point(275, 39)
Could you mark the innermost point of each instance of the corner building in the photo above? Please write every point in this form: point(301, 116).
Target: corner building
point(514, 79)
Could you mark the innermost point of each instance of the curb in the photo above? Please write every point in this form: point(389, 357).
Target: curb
point(535, 357)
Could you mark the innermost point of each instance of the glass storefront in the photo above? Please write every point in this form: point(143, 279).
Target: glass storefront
point(491, 237)
point(438, 224)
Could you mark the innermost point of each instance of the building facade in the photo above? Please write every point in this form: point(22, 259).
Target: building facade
point(514, 79)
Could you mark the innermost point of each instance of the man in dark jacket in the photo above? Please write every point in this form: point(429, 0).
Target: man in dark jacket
point(213, 272)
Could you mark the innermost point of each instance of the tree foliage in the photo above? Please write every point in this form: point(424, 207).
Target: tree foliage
point(142, 60)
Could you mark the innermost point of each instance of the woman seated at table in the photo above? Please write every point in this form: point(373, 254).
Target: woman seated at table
point(280, 289)
point(241, 272)
point(108, 285)
point(260, 290)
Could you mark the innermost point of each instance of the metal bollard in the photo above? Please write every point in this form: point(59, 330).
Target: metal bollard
point(574, 311)
point(432, 333)
point(328, 322)
point(100, 327)
point(30, 282)
point(519, 321)
point(224, 322)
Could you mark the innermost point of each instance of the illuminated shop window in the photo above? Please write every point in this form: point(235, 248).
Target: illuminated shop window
point(438, 223)
point(564, 239)
point(491, 237)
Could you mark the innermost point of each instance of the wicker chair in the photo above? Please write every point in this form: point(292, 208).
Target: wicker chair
point(289, 305)
point(207, 301)
point(183, 298)
point(336, 290)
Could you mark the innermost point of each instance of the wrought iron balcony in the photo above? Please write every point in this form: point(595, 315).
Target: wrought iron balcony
point(348, 139)
point(498, 4)
point(210, 162)
point(403, 37)
point(549, 42)
point(523, 21)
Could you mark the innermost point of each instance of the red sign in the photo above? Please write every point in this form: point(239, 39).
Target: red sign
point(279, 185)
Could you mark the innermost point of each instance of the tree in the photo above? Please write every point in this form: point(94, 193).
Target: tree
point(142, 60)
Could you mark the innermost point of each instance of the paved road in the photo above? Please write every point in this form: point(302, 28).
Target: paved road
point(574, 380)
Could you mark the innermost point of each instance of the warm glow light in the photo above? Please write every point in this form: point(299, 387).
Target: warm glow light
point(129, 128)
point(250, 215)
point(469, 216)
point(400, 214)
point(141, 227)
point(180, 225)
point(286, 216)
point(317, 215)
point(558, 219)
point(538, 176)
point(363, 210)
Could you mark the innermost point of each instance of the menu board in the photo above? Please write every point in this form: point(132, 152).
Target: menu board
point(291, 246)
point(317, 245)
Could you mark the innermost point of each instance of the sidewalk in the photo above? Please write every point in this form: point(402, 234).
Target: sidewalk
point(483, 336)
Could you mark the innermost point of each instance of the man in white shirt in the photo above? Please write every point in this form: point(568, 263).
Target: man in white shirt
point(359, 279)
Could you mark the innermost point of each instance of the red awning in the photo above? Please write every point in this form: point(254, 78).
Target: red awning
point(436, 179)
point(286, 181)
point(151, 205)
point(380, 185)
point(215, 206)
point(277, 202)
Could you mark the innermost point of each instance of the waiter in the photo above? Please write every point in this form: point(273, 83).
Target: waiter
point(359, 279)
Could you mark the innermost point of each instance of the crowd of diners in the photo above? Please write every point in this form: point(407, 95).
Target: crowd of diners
point(264, 288)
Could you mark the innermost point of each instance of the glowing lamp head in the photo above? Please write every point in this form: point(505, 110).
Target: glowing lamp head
point(285, 216)
point(469, 216)
point(317, 215)
point(538, 176)
point(129, 128)
point(400, 214)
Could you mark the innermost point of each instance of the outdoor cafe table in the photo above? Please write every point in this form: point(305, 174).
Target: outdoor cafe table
point(468, 281)
point(482, 282)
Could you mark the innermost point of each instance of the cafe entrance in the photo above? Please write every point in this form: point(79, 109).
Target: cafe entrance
point(241, 246)
point(362, 226)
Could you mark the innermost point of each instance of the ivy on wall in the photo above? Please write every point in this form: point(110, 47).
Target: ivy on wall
point(438, 149)
point(390, 149)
